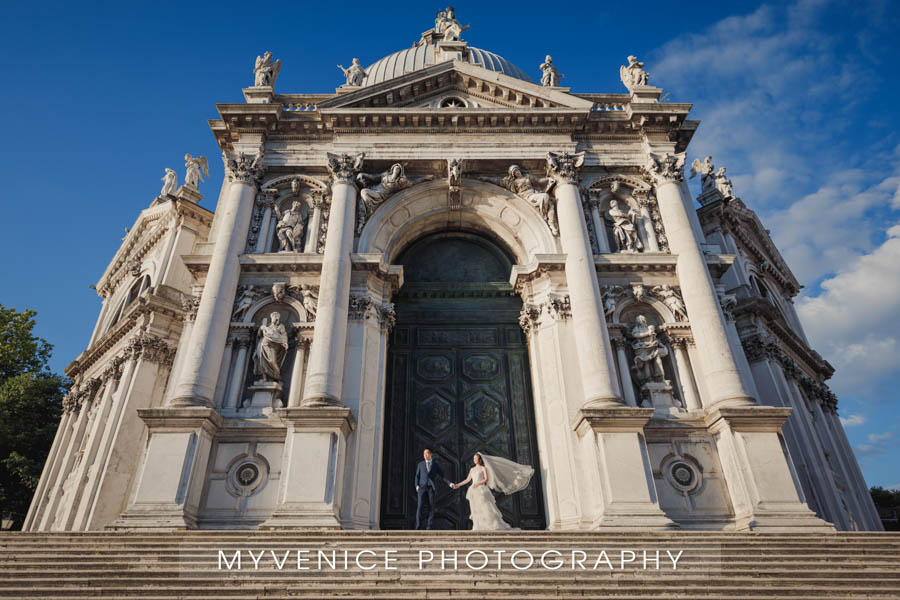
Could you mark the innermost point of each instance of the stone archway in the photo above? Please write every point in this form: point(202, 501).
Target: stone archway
point(458, 379)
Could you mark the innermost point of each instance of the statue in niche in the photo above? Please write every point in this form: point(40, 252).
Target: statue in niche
point(648, 353)
point(378, 188)
point(170, 183)
point(266, 70)
point(723, 184)
point(354, 74)
point(194, 166)
point(672, 300)
point(245, 300)
point(624, 229)
point(705, 169)
point(550, 76)
point(633, 74)
point(290, 227)
point(445, 23)
point(310, 301)
point(271, 349)
point(523, 185)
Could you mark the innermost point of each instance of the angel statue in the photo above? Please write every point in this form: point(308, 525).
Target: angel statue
point(723, 184)
point(290, 228)
point(633, 74)
point(672, 300)
point(192, 177)
point(624, 229)
point(446, 24)
point(492, 473)
point(170, 184)
point(266, 70)
point(551, 76)
point(271, 349)
point(354, 74)
point(523, 185)
point(705, 169)
point(378, 188)
point(246, 299)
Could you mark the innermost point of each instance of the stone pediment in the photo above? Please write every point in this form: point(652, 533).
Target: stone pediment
point(476, 87)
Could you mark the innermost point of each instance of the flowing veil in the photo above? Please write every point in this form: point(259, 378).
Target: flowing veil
point(504, 475)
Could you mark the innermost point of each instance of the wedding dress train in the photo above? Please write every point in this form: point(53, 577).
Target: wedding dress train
point(506, 477)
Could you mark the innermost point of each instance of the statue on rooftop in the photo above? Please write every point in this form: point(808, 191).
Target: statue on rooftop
point(551, 76)
point(192, 177)
point(266, 70)
point(355, 74)
point(446, 24)
point(705, 169)
point(633, 74)
point(170, 184)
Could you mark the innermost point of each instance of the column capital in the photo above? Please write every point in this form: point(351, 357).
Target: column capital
point(345, 167)
point(563, 166)
point(664, 168)
point(245, 169)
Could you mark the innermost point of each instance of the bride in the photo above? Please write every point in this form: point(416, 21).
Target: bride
point(492, 473)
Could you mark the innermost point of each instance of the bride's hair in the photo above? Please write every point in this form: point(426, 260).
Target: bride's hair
point(480, 460)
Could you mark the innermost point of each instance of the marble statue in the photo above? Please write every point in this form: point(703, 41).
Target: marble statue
point(354, 74)
point(624, 229)
point(523, 185)
point(290, 228)
point(194, 166)
point(310, 301)
point(611, 295)
point(672, 300)
point(446, 24)
point(723, 184)
point(551, 76)
point(279, 289)
point(648, 353)
point(271, 349)
point(705, 169)
point(245, 300)
point(378, 188)
point(266, 70)
point(170, 183)
point(633, 74)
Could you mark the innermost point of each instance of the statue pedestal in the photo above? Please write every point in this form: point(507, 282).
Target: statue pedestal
point(660, 397)
point(618, 467)
point(189, 193)
point(346, 89)
point(315, 448)
point(645, 93)
point(263, 94)
point(265, 394)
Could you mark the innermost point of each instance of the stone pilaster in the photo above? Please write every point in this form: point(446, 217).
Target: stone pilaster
point(326, 356)
point(591, 337)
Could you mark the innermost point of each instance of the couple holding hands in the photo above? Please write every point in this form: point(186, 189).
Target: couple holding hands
point(489, 473)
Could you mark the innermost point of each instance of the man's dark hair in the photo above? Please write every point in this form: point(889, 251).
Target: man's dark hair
point(429, 449)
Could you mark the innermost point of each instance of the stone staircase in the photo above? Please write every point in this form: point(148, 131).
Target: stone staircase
point(188, 565)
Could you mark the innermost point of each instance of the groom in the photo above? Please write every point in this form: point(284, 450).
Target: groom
point(427, 472)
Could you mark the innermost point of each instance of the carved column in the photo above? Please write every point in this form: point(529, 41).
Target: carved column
point(591, 337)
point(242, 340)
point(200, 370)
point(265, 234)
point(599, 225)
point(315, 222)
point(625, 372)
point(297, 370)
point(326, 356)
point(688, 391)
point(707, 322)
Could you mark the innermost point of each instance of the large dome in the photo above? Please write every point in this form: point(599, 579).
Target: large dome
point(421, 56)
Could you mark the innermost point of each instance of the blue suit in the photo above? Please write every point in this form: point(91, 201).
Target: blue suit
point(425, 487)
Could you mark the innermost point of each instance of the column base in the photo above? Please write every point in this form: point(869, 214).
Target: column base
point(611, 402)
point(758, 471)
point(320, 402)
point(191, 402)
point(625, 493)
point(309, 494)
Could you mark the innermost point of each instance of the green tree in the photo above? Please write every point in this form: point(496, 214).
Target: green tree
point(888, 504)
point(30, 407)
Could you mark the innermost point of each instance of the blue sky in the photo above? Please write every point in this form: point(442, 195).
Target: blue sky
point(797, 100)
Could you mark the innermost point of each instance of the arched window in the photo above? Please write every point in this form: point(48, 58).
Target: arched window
point(453, 102)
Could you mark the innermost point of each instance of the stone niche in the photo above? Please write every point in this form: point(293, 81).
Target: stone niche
point(241, 483)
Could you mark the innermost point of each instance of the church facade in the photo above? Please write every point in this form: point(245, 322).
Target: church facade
point(448, 254)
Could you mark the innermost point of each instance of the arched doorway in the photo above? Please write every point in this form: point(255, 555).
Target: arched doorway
point(458, 379)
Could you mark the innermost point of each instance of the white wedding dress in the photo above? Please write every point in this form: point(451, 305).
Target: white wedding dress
point(504, 476)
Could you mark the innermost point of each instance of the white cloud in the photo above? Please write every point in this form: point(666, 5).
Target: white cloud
point(853, 420)
point(877, 438)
